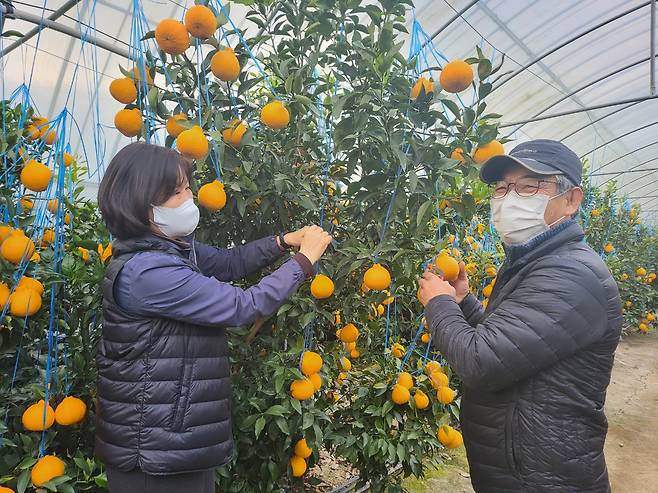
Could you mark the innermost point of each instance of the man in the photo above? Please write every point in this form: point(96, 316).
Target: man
point(535, 364)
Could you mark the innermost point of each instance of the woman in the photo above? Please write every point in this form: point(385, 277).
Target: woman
point(163, 403)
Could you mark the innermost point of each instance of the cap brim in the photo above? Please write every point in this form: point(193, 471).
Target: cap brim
point(494, 168)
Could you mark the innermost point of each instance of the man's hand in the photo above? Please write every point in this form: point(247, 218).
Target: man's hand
point(461, 284)
point(432, 286)
point(294, 238)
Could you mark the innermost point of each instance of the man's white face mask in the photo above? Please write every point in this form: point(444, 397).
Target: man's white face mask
point(520, 219)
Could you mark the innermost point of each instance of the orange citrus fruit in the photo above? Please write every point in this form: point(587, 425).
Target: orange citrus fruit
point(33, 417)
point(212, 196)
point(35, 176)
point(400, 394)
point(192, 143)
point(377, 277)
point(322, 287)
point(128, 122)
point(47, 468)
point(123, 90)
point(489, 150)
point(456, 76)
point(275, 115)
point(200, 21)
point(172, 37)
point(225, 65)
point(70, 411)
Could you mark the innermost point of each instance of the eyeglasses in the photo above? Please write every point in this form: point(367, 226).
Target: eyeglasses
point(525, 187)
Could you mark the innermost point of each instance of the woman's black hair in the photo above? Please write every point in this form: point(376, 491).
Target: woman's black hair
point(140, 176)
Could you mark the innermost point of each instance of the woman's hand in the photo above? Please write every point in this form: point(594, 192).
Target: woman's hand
point(432, 286)
point(314, 243)
point(294, 238)
point(461, 284)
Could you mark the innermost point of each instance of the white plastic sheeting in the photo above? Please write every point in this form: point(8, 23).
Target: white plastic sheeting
point(625, 142)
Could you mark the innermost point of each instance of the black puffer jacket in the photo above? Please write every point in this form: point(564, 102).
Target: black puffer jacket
point(164, 392)
point(535, 366)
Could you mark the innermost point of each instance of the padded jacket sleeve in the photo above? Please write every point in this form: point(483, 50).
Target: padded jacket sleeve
point(229, 264)
point(472, 309)
point(153, 284)
point(556, 310)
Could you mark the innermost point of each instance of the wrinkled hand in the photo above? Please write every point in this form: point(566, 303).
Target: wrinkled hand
point(432, 286)
point(461, 284)
point(294, 238)
point(314, 243)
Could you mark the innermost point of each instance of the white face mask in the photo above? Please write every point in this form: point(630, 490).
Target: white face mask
point(176, 222)
point(520, 219)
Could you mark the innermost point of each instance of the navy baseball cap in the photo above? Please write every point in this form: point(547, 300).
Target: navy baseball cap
point(541, 156)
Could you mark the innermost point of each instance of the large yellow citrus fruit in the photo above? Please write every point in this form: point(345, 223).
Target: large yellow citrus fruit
point(641, 271)
point(48, 136)
point(311, 363)
point(225, 65)
point(302, 449)
point(172, 37)
point(345, 364)
point(316, 379)
point(458, 155)
point(24, 302)
point(349, 333)
point(421, 400)
point(405, 379)
point(137, 76)
point(5, 489)
point(123, 90)
point(456, 76)
point(445, 395)
point(487, 290)
point(33, 417)
point(173, 128)
point(302, 389)
point(234, 133)
point(17, 246)
point(212, 195)
point(422, 84)
point(4, 294)
point(30, 283)
point(643, 327)
point(298, 466)
point(425, 338)
point(35, 176)
point(439, 379)
point(68, 159)
point(322, 287)
point(47, 468)
point(489, 150)
point(432, 366)
point(397, 350)
point(70, 411)
point(192, 143)
point(448, 265)
point(48, 237)
point(200, 21)
point(400, 394)
point(377, 277)
point(128, 122)
point(275, 115)
point(449, 437)
point(5, 231)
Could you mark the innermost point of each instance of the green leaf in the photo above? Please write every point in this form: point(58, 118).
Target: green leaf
point(27, 463)
point(484, 69)
point(307, 420)
point(148, 35)
point(452, 106)
point(259, 425)
point(422, 212)
point(276, 410)
point(296, 405)
point(23, 481)
point(10, 33)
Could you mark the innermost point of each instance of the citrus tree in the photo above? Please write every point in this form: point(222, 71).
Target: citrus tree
point(331, 124)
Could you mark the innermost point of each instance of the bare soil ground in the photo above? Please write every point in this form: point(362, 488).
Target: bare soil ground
point(632, 444)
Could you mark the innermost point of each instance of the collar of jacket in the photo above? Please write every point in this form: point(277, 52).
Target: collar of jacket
point(546, 242)
point(152, 241)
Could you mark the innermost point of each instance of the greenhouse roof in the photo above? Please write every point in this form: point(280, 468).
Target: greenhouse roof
point(580, 70)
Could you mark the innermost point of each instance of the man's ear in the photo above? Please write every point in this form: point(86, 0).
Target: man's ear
point(574, 199)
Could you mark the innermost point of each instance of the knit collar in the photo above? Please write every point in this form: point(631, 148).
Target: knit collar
point(515, 252)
